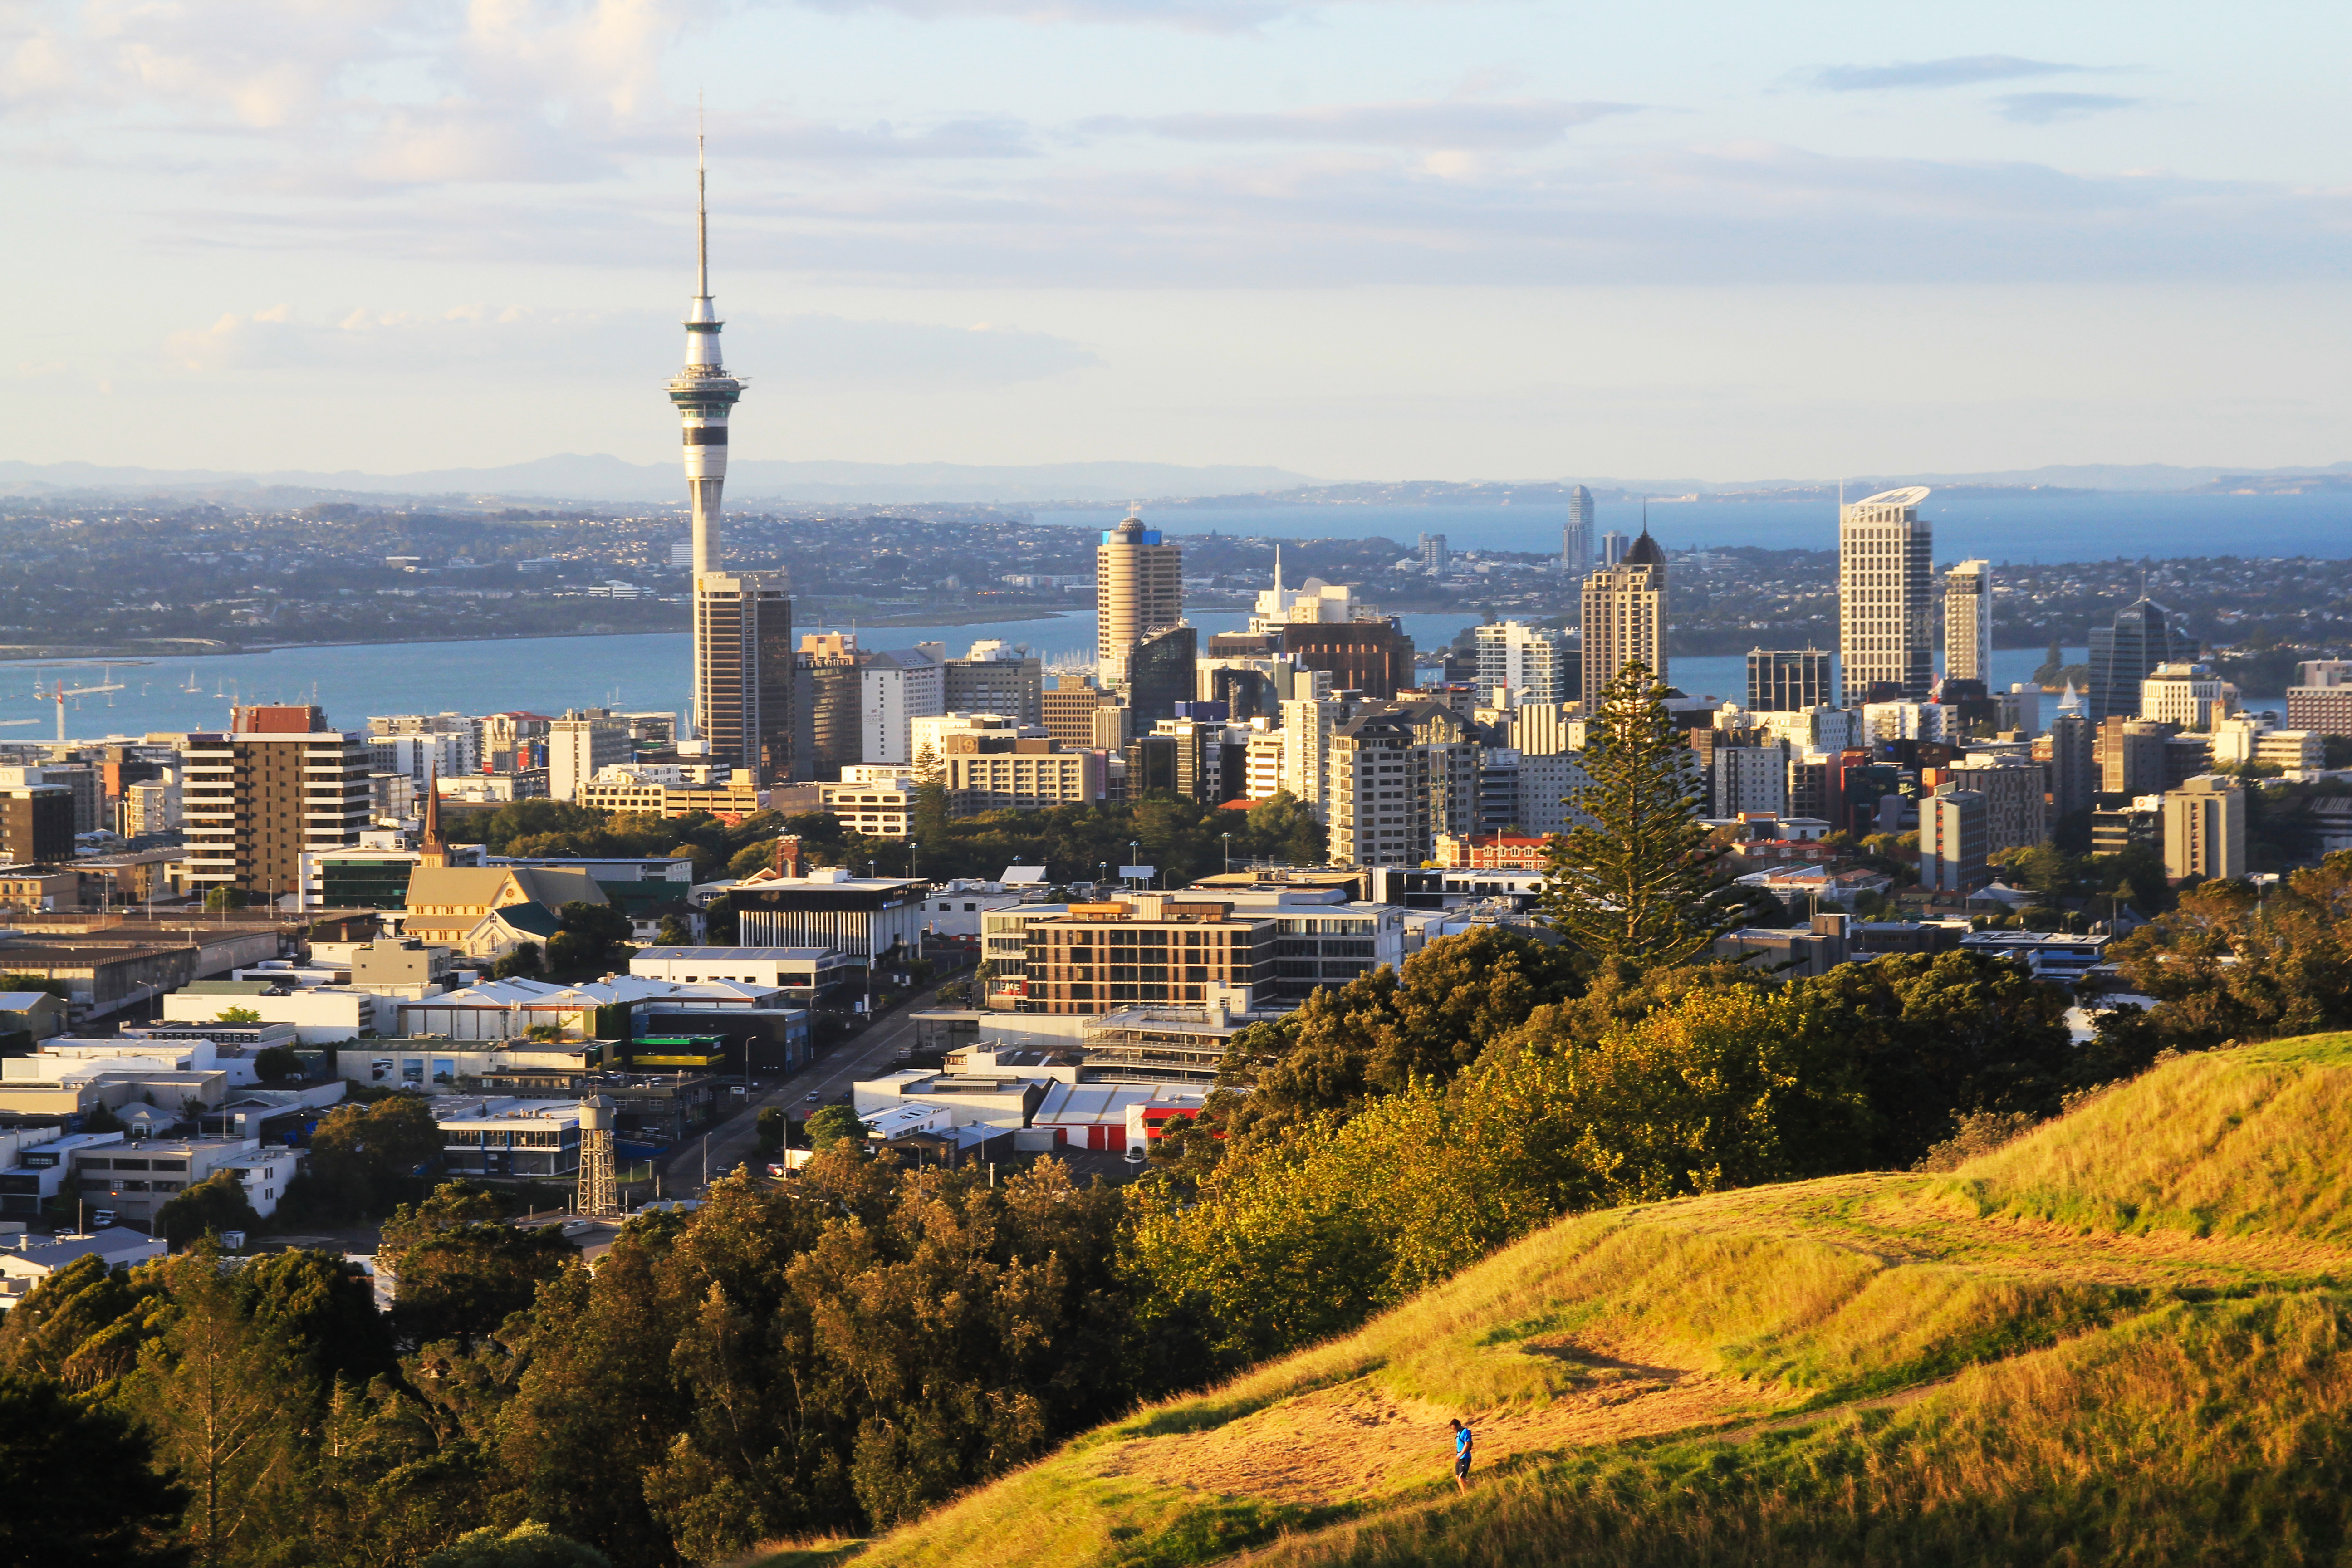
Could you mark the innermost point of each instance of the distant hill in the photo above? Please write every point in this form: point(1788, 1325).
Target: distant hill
point(2125, 1337)
point(574, 477)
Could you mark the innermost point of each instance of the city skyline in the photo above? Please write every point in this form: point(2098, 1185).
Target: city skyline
point(1334, 240)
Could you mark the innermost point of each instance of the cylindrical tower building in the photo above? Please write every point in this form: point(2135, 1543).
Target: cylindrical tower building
point(1138, 590)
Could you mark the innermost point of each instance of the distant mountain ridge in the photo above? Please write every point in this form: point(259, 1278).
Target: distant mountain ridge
point(601, 479)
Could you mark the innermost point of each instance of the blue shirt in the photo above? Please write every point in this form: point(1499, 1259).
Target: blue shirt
point(1461, 1441)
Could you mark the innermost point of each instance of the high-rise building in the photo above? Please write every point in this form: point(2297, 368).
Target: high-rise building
point(1612, 547)
point(1379, 785)
point(1967, 622)
point(1885, 618)
point(2320, 700)
point(579, 745)
point(894, 689)
point(1374, 658)
point(2016, 793)
point(2125, 653)
point(705, 395)
point(825, 705)
point(1786, 680)
point(995, 677)
point(2205, 829)
point(1624, 618)
point(744, 671)
point(256, 799)
point(1434, 558)
point(1952, 825)
point(2189, 695)
point(1066, 708)
point(1138, 590)
point(2073, 770)
point(1576, 536)
point(37, 825)
point(1529, 664)
point(1161, 673)
point(2132, 755)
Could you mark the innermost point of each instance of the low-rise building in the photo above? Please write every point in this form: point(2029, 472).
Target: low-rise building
point(1153, 948)
point(134, 1179)
point(23, 1269)
point(1815, 948)
point(509, 1009)
point(2045, 955)
point(505, 1138)
point(1490, 851)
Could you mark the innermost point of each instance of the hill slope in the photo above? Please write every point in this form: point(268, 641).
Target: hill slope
point(2125, 1337)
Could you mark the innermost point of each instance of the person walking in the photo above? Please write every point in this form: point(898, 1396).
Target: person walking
point(1462, 1441)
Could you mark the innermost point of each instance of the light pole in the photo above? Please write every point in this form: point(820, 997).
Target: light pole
point(1134, 855)
point(1229, 852)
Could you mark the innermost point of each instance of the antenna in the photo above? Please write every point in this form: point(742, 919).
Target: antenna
point(701, 209)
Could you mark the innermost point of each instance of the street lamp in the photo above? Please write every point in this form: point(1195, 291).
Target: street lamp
point(1134, 854)
point(1229, 852)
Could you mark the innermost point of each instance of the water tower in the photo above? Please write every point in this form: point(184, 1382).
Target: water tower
point(599, 1193)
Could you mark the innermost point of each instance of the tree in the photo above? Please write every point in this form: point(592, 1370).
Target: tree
point(768, 1129)
point(460, 1269)
point(213, 1205)
point(220, 900)
point(1636, 886)
point(236, 1016)
point(527, 1545)
point(362, 1156)
point(276, 1064)
point(835, 1124)
point(80, 1481)
point(524, 961)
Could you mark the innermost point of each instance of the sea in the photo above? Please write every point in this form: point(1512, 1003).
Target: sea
point(640, 672)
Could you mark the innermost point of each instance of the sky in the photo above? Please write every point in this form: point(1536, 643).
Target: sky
point(1362, 239)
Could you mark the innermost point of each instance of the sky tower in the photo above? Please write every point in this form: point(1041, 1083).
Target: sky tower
point(705, 394)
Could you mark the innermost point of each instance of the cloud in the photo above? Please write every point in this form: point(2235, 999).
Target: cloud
point(2042, 108)
point(1513, 123)
point(1193, 16)
point(821, 349)
point(1958, 71)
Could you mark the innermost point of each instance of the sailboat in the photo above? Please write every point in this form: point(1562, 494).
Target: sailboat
point(192, 684)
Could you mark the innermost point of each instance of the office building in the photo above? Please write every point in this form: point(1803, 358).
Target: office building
point(1161, 673)
point(1952, 841)
point(2205, 829)
point(2320, 700)
point(2189, 695)
point(2125, 653)
point(743, 670)
point(421, 754)
point(1576, 536)
point(896, 688)
point(1066, 708)
point(2018, 709)
point(1379, 792)
point(2074, 767)
point(279, 783)
point(1967, 622)
point(1154, 948)
point(995, 677)
point(1612, 548)
point(1432, 554)
point(1885, 561)
point(827, 704)
point(1528, 664)
point(37, 825)
point(579, 745)
point(1781, 681)
point(1750, 778)
point(1138, 590)
point(1624, 618)
point(1307, 723)
point(1371, 656)
point(871, 800)
point(1021, 781)
point(829, 906)
point(2016, 796)
point(2132, 756)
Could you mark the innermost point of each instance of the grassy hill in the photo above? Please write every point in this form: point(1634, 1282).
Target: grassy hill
point(2125, 1337)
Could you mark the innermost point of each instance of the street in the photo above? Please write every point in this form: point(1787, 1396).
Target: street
point(736, 1140)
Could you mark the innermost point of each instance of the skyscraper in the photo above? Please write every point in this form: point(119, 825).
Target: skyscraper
point(1884, 565)
point(279, 784)
point(2124, 654)
point(1967, 622)
point(1434, 557)
point(1625, 618)
point(1138, 590)
point(1576, 537)
point(1612, 546)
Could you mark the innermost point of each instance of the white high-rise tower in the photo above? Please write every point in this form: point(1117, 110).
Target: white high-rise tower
point(1885, 603)
point(705, 395)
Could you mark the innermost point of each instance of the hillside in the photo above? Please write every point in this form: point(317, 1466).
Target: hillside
point(2125, 1337)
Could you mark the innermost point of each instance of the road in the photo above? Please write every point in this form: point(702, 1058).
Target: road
point(829, 1077)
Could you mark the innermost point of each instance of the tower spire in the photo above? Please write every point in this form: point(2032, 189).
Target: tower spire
point(701, 209)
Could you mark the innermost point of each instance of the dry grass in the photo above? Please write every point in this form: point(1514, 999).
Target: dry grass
point(2119, 1338)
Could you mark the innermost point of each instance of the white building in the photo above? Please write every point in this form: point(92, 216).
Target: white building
point(1529, 664)
point(449, 753)
point(1906, 722)
point(1266, 763)
point(1307, 727)
point(22, 1268)
point(895, 688)
point(878, 807)
point(2189, 695)
point(322, 1015)
point(581, 745)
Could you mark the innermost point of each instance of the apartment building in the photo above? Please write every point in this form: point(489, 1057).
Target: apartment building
point(280, 783)
point(1155, 948)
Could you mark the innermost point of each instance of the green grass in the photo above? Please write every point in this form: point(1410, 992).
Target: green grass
point(2124, 1338)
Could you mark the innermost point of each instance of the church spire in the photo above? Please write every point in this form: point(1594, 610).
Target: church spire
point(430, 850)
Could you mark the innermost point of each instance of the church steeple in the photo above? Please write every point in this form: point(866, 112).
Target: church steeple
point(430, 850)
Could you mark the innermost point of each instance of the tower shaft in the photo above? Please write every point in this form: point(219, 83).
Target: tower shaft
point(704, 396)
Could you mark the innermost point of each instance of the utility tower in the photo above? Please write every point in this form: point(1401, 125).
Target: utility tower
point(600, 1191)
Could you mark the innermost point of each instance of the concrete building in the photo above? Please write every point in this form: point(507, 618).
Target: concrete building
point(2188, 696)
point(894, 689)
point(1153, 948)
point(2075, 775)
point(1781, 680)
point(826, 698)
point(634, 789)
point(134, 1179)
point(993, 678)
point(2320, 702)
point(278, 785)
point(2016, 796)
point(1751, 778)
point(1967, 622)
point(1138, 590)
point(320, 1014)
point(1952, 835)
point(1527, 663)
point(421, 754)
point(1021, 781)
point(829, 906)
point(37, 825)
point(1548, 784)
point(1624, 619)
point(1066, 708)
point(1885, 561)
point(2125, 653)
point(581, 745)
point(1576, 536)
point(2205, 830)
point(2131, 756)
point(1379, 792)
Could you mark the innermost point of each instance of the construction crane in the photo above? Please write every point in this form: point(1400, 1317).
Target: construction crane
point(63, 691)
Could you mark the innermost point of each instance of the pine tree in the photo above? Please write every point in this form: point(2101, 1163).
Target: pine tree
point(1636, 888)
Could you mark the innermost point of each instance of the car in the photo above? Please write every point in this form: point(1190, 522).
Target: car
point(812, 1098)
point(1134, 1155)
